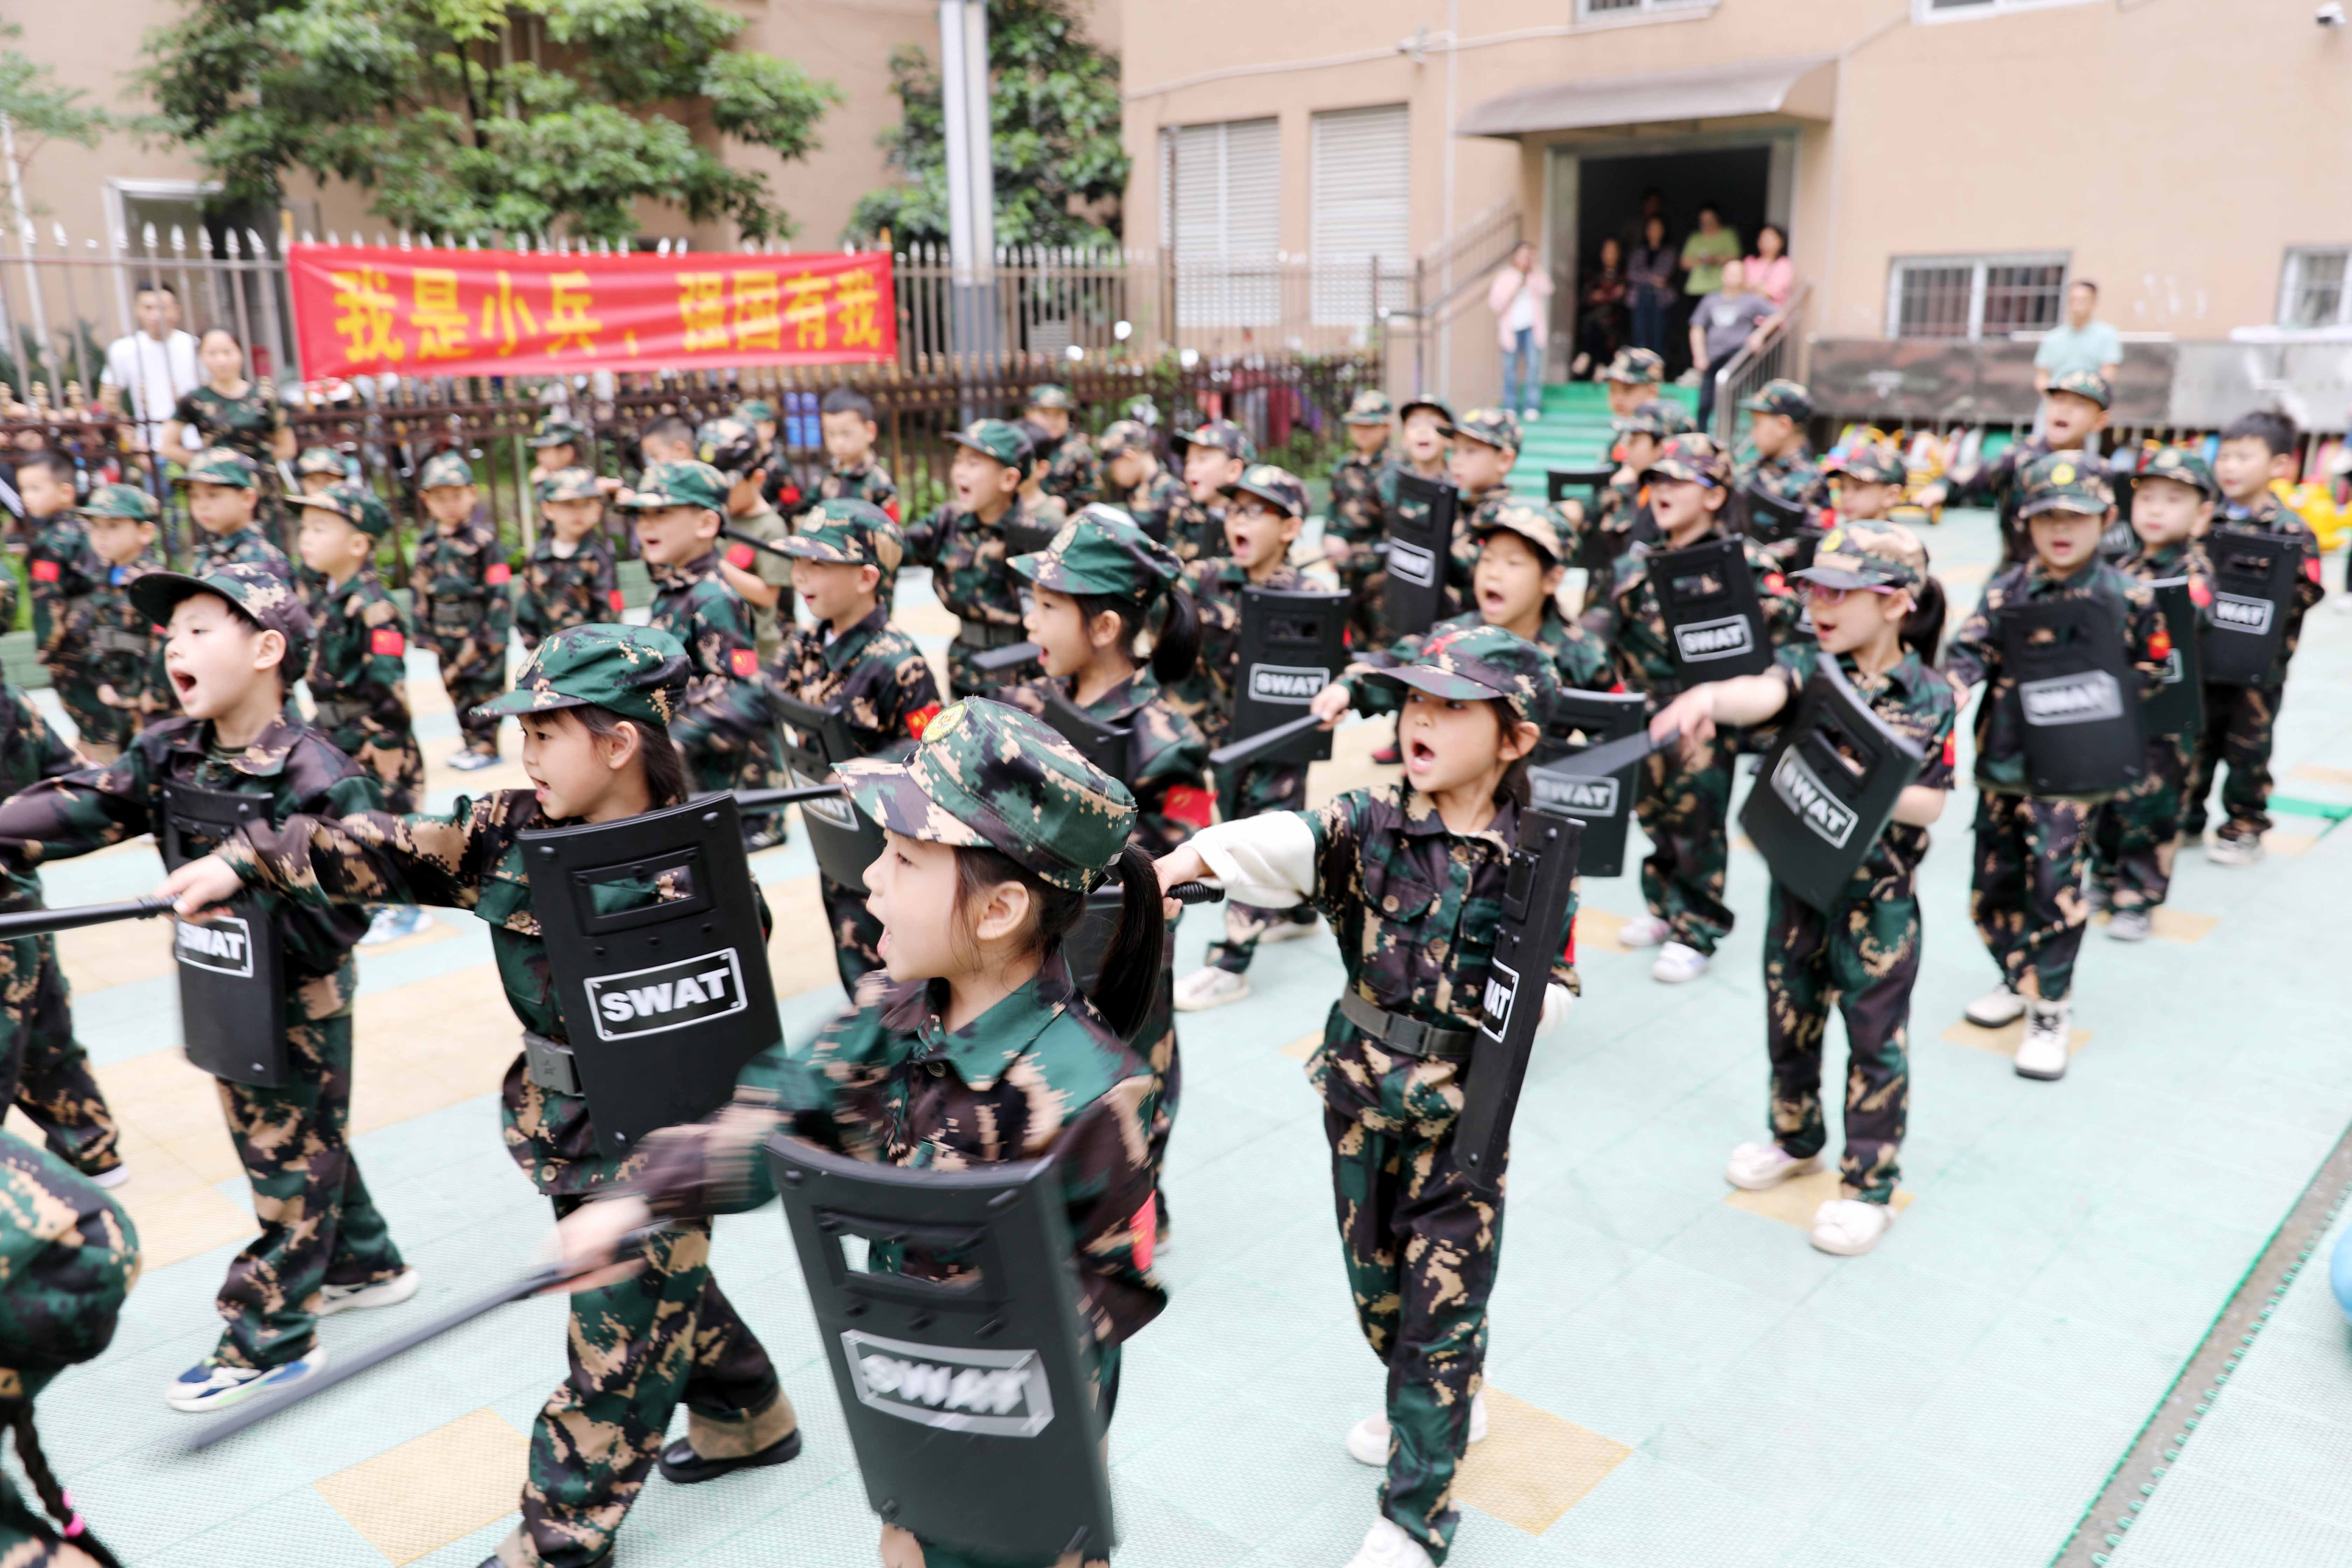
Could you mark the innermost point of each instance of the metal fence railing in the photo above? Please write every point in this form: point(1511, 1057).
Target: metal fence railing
point(1449, 276)
point(1775, 353)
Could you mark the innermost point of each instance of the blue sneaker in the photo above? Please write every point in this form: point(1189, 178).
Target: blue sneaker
point(209, 1385)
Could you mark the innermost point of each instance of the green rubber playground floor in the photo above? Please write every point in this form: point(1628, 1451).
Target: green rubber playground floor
point(1680, 1379)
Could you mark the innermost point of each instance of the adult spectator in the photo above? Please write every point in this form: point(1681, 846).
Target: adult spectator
point(2078, 342)
point(1602, 328)
point(1630, 233)
point(156, 366)
point(1722, 324)
point(227, 410)
point(1769, 271)
point(1650, 285)
point(1709, 245)
point(1521, 296)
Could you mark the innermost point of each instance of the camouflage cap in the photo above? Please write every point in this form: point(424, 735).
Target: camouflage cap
point(1868, 555)
point(1659, 417)
point(261, 595)
point(731, 445)
point(1123, 437)
point(569, 484)
point(2087, 384)
point(1781, 396)
point(444, 468)
point(320, 460)
point(1470, 664)
point(988, 775)
point(1529, 521)
point(1444, 411)
point(1371, 407)
point(1101, 551)
point(677, 484)
point(2064, 481)
point(2182, 466)
point(1278, 488)
point(1635, 367)
point(753, 410)
point(1050, 394)
point(999, 440)
point(354, 503)
point(224, 466)
point(1872, 462)
point(1690, 456)
point(846, 531)
point(636, 672)
point(120, 500)
point(557, 429)
point(1498, 427)
point(1221, 435)
point(67, 1259)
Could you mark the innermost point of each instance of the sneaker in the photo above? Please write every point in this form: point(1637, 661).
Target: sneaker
point(2042, 1054)
point(1644, 931)
point(2230, 850)
point(2099, 896)
point(1848, 1226)
point(1678, 962)
point(1208, 988)
point(758, 838)
point(208, 1386)
point(393, 923)
point(112, 1178)
point(1996, 1009)
point(1387, 1546)
point(1290, 930)
point(2127, 925)
point(1755, 1167)
point(1530, 415)
point(391, 1292)
point(471, 761)
point(1368, 1440)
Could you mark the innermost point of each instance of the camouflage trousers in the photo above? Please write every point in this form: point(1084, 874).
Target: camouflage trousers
point(1685, 805)
point(2239, 724)
point(1366, 586)
point(1863, 961)
point(1156, 1042)
point(472, 674)
point(664, 1337)
point(43, 1068)
point(392, 755)
point(318, 1226)
point(103, 729)
point(857, 934)
point(1260, 788)
point(2134, 836)
point(2026, 895)
point(1421, 1250)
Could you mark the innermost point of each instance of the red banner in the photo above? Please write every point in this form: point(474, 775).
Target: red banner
point(361, 309)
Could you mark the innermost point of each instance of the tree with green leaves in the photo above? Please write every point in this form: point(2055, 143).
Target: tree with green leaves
point(1053, 125)
point(38, 109)
point(470, 117)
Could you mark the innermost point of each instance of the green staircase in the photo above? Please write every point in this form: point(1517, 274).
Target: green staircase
point(1573, 432)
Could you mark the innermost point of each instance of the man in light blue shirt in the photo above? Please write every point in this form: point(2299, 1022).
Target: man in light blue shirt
point(2078, 342)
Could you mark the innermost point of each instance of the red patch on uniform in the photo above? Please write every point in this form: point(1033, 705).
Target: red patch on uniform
point(387, 641)
point(1188, 806)
point(788, 496)
point(2199, 594)
point(1775, 583)
point(1141, 1229)
point(744, 662)
point(2311, 567)
point(1617, 689)
point(891, 510)
point(740, 558)
point(618, 600)
point(2160, 645)
point(45, 570)
point(1951, 750)
point(500, 571)
point(920, 719)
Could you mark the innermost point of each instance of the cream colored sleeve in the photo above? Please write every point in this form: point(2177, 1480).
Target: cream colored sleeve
point(1267, 860)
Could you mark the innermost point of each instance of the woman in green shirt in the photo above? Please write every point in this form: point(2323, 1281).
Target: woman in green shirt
point(1710, 244)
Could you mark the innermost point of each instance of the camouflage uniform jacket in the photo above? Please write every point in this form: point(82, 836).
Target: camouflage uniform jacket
point(1794, 478)
point(768, 621)
point(29, 751)
point(459, 589)
point(866, 482)
point(2269, 515)
point(1581, 661)
point(1474, 509)
point(694, 604)
point(1917, 703)
point(1038, 1074)
point(873, 672)
point(1999, 482)
point(290, 763)
point(1632, 625)
point(1356, 514)
point(214, 551)
point(1974, 655)
point(1155, 505)
point(1206, 696)
point(1195, 532)
point(968, 575)
point(557, 592)
point(358, 664)
point(247, 424)
point(1415, 908)
point(1168, 759)
point(1074, 473)
point(2186, 558)
point(62, 569)
point(124, 651)
point(68, 1256)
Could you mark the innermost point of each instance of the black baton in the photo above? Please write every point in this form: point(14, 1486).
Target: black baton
point(1006, 657)
point(756, 800)
point(1599, 762)
point(40, 923)
point(1265, 741)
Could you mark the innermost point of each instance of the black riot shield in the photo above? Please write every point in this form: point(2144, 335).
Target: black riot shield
point(1580, 721)
point(1292, 645)
point(1420, 542)
point(1828, 789)
point(1714, 622)
point(2178, 706)
point(660, 966)
point(1108, 746)
point(2077, 693)
point(1771, 520)
point(970, 1402)
point(843, 839)
point(1591, 481)
point(1536, 891)
point(2118, 540)
point(232, 969)
point(2253, 590)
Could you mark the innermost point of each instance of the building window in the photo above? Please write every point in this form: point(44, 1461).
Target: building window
point(1961, 10)
point(1362, 214)
point(1613, 10)
point(1222, 211)
point(2313, 292)
point(1975, 296)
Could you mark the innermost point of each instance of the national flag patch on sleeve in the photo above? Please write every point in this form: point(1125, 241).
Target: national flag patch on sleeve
point(387, 642)
point(2199, 594)
point(45, 570)
point(1951, 750)
point(740, 558)
point(920, 719)
point(2311, 567)
point(1143, 1229)
point(744, 662)
point(891, 510)
point(2160, 643)
point(498, 573)
point(1187, 804)
point(618, 600)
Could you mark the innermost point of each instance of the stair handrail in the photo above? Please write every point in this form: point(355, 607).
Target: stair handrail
point(1763, 358)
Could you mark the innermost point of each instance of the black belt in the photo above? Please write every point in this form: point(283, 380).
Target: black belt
point(1408, 1035)
point(987, 634)
point(548, 1063)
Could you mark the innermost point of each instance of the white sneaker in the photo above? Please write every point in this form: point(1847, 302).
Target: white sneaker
point(1530, 415)
point(1208, 988)
point(391, 923)
point(1386, 1546)
point(1754, 1167)
point(1678, 962)
point(1290, 930)
point(209, 1385)
point(2042, 1054)
point(2098, 895)
point(114, 1178)
point(391, 1292)
point(1644, 931)
point(1848, 1226)
point(471, 761)
point(2225, 850)
point(1996, 1009)
point(1368, 1440)
point(2129, 925)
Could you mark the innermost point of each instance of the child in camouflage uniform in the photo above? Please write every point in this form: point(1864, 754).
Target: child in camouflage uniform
point(1633, 378)
point(1776, 464)
point(1044, 508)
point(2027, 894)
point(1139, 486)
point(464, 608)
point(125, 661)
point(760, 578)
point(1214, 456)
point(1073, 473)
point(1411, 876)
point(1486, 445)
point(223, 494)
point(58, 569)
point(1621, 512)
point(846, 418)
point(570, 579)
point(1879, 615)
point(2074, 409)
point(965, 543)
point(559, 442)
point(1356, 522)
point(319, 467)
point(323, 1248)
point(2137, 834)
point(844, 560)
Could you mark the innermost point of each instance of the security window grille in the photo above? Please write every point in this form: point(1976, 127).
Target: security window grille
point(1362, 214)
point(1222, 214)
point(1614, 8)
point(2314, 294)
point(1975, 296)
point(1952, 10)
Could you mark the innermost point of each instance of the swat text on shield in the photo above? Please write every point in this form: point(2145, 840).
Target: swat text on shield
point(1579, 797)
point(2235, 612)
point(993, 1393)
point(1287, 682)
point(223, 945)
point(1726, 639)
point(1801, 791)
point(666, 997)
point(2084, 699)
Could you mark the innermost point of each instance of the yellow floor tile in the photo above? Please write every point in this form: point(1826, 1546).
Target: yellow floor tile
point(2003, 1041)
point(413, 1499)
point(440, 776)
point(1533, 1466)
point(96, 957)
point(1351, 765)
point(1299, 1049)
point(2312, 772)
point(923, 616)
point(2279, 841)
point(1793, 1203)
point(2168, 924)
point(1596, 931)
point(1741, 841)
point(1962, 576)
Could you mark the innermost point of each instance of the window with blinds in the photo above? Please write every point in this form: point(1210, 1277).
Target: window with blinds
point(1975, 296)
point(1362, 213)
point(2314, 291)
point(1221, 213)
